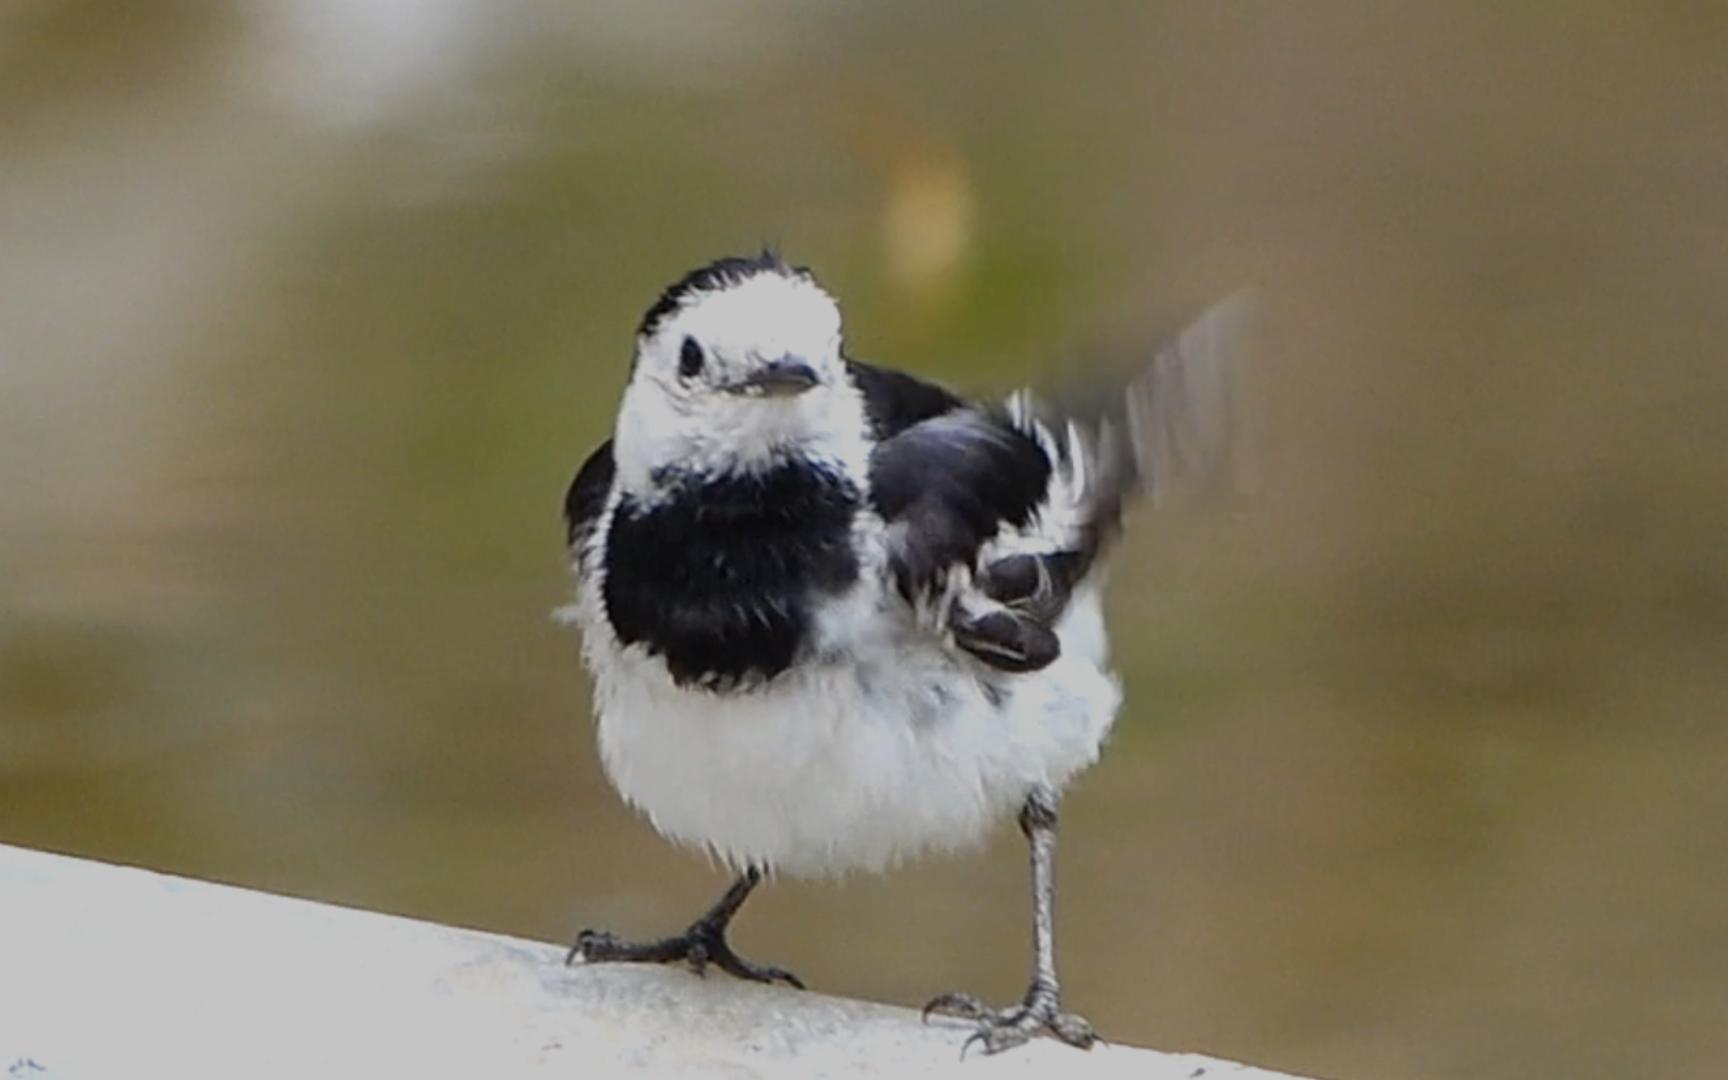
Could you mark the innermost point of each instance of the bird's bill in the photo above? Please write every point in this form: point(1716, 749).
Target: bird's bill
point(780, 378)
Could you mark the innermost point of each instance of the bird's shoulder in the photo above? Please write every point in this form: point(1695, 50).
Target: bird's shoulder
point(895, 401)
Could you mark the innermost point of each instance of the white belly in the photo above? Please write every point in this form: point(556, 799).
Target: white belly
point(853, 764)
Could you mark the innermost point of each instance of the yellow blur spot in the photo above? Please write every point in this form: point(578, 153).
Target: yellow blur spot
point(927, 223)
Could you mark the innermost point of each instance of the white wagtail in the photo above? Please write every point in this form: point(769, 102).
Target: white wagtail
point(837, 616)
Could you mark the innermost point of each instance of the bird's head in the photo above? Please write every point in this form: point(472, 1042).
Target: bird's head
point(738, 366)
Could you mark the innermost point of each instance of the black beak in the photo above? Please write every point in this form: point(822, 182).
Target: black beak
point(777, 378)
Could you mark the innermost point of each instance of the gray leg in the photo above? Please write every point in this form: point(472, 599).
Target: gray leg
point(703, 943)
point(1041, 1008)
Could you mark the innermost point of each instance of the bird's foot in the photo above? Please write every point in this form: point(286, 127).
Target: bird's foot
point(697, 947)
point(1004, 1029)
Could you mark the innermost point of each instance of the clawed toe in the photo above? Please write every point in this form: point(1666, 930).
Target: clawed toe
point(965, 1006)
point(697, 947)
point(1004, 1029)
point(733, 964)
point(587, 943)
point(1071, 1029)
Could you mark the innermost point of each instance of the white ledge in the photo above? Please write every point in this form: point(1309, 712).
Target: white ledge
point(110, 972)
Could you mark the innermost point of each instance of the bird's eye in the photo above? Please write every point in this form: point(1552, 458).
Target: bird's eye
point(689, 358)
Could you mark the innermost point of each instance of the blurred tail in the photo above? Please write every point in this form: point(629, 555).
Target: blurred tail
point(1176, 430)
point(1189, 431)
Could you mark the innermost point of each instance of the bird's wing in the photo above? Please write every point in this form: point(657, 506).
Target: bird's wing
point(995, 517)
point(948, 485)
point(585, 501)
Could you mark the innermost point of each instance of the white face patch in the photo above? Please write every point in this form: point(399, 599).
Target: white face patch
point(686, 407)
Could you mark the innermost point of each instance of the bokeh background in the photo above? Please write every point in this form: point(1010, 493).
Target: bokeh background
point(309, 309)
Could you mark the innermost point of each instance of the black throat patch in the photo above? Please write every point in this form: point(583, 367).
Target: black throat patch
point(719, 578)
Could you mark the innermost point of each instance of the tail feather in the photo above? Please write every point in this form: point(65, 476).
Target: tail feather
point(1187, 428)
point(1175, 429)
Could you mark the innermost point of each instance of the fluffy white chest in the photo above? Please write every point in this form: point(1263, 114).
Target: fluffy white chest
point(884, 749)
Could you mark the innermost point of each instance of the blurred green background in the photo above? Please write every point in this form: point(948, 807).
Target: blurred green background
point(309, 309)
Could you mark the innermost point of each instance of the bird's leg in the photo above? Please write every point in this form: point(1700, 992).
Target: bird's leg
point(1041, 1008)
point(702, 944)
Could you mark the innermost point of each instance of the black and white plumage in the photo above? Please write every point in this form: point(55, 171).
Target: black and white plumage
point(838, 616)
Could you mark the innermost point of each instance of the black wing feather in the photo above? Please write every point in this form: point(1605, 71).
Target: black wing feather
point(949, 484)
point(586, 498)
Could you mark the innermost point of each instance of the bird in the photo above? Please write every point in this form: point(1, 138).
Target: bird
point(837, 616)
